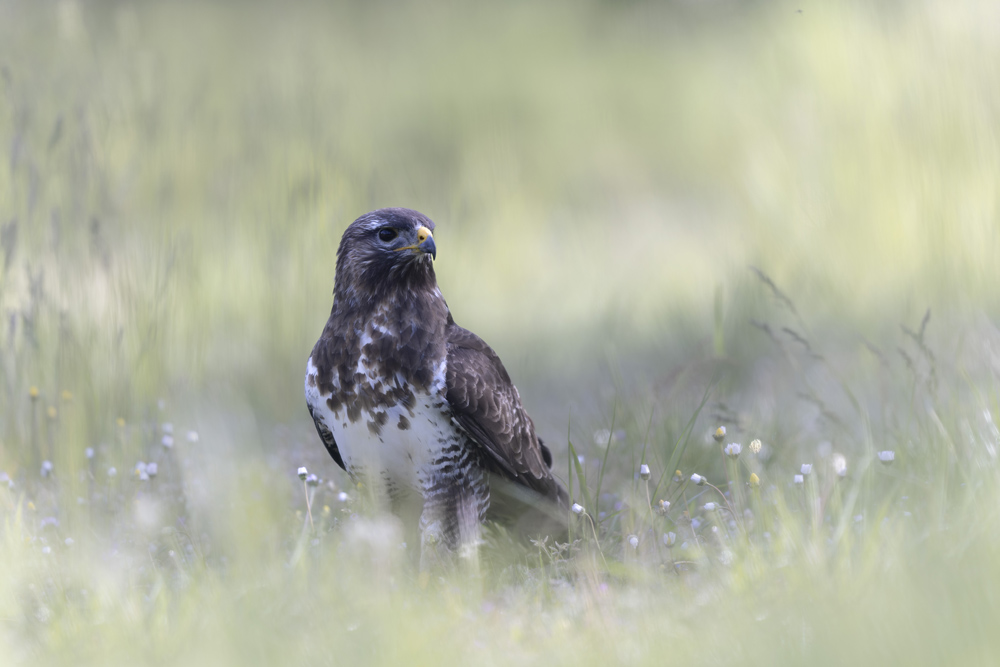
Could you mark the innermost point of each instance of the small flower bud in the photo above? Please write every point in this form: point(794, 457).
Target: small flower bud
point(709, 507)
point(143, 476)
point(66, 396)
point(840, 465)
point(33, 393)
point(806, 469)
point(112, 472)
point(733, 449)
point(720, 434)
point(669, 540)
point(799, 479)
point(755, 446)
point(887, 457)
point(342, 496)
point(312, 480)
point(644, 471)
point(303, 473)
point(89, 453)
point(52, 412)
point(46, 468)
point(697, 479)
point(167, 441)
point(577, 509)
point(192, 436)
point(633, 541)
point(663, 506)
point(167, 427)
point(754, 480)
point(151, 469)
point(678, 476)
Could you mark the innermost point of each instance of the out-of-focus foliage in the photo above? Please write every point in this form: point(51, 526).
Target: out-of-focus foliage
point(636, 203)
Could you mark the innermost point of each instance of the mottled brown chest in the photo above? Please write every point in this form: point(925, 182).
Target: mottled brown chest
point(369, 360)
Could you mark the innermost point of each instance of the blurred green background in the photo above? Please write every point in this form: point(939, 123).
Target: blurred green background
point(633, 200)
point(180, 173)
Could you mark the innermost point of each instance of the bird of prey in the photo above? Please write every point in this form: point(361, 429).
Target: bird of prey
point(418, 408)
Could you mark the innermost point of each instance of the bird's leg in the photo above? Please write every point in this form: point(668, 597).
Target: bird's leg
point(454, 506)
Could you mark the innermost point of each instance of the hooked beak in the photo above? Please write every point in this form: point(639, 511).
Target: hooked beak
point(425, 243)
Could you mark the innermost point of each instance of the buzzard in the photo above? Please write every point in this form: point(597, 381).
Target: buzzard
point(417, 408)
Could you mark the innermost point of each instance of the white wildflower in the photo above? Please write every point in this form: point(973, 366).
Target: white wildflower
point(577, 508)
point(303, 473)
point(733, 449)
point(167, 441)
point(669, 539)
point(807, 469)
point(840, 465)
point(644, 471)
point(633, 541)
point(719, 434)
point(697, 479)
point(799, 479)
point(887, 457)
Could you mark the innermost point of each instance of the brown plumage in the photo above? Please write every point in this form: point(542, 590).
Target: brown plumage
point(422, 408)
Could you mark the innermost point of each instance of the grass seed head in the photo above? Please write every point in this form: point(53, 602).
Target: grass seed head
point(755, 446)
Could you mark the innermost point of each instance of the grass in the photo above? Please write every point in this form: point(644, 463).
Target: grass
point(665, 218)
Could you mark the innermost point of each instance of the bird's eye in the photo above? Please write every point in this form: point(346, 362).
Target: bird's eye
point(387, 234)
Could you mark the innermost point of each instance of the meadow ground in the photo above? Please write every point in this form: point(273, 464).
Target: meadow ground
point(781, 218)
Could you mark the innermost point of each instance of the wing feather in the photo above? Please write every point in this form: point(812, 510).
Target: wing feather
point(327, 437)
point(486, 404)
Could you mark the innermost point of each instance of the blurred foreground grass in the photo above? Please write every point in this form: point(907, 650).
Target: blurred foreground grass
point(174, 182)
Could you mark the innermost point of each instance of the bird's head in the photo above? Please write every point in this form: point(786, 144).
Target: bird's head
point(383, 251)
